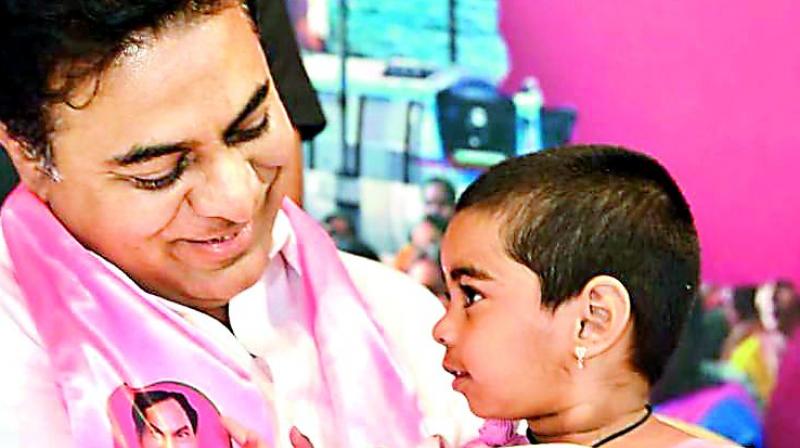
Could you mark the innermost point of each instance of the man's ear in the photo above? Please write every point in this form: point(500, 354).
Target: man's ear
point(605, 315)
point(28, 165)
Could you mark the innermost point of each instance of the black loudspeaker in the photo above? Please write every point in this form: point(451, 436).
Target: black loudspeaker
point(477, 123)
point(557, 124)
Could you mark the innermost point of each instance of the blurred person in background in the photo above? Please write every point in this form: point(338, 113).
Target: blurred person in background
point(341, 228)
point(423, 240)
point(787, 308)
point(714, 296)
point(694, 390)
point(427, 272)
point(339, 225)
point(782, 417)
point(439, 198)
point(742, 316)
point(310, 22)
point(759, 351)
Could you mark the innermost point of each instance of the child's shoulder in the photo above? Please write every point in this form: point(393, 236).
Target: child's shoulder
point(699, 437)
point(706, 443)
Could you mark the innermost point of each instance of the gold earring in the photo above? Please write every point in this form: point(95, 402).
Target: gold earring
point(580, 353)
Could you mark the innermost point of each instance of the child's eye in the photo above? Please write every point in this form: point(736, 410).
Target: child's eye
point(471, 296)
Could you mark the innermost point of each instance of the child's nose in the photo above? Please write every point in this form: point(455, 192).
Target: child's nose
point(444, 331)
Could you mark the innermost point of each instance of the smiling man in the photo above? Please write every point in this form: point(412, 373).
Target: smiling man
point(149, 241)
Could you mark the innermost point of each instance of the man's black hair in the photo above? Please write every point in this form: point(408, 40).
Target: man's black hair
point(143, 400)
point(49, 47)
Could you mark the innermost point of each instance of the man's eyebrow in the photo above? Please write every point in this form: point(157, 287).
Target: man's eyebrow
point(255, 100)
point(141, 154)
point(469, 271)
point(155, 428)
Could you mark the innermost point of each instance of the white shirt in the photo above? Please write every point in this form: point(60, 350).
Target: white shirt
point(32, 415)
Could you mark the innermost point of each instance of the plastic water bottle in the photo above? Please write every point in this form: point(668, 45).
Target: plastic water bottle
point(528, 102)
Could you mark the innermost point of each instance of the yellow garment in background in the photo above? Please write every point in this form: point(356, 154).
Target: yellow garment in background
point(749, 358)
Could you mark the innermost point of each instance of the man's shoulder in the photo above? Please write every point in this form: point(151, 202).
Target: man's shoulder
point(360, 265)
point(21, 341)
point(30, 412)
point(404, 309)
point(13, 313)
point(406, 312)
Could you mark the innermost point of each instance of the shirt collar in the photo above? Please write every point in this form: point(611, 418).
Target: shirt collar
point(284, 243)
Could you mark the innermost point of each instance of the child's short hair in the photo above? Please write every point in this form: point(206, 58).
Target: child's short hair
point(576, 212)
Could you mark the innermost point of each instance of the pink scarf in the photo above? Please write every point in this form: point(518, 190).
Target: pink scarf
point(106, 341)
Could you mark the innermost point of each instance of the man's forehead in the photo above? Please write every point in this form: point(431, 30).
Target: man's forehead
point(166, 411)
point(203, 46)
point(164, 90)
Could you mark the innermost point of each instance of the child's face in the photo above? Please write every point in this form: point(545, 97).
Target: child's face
point(511, 357)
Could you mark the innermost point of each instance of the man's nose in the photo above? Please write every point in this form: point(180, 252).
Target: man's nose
point(230, 188)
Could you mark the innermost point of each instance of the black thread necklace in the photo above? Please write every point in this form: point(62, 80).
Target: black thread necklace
point(649, 411)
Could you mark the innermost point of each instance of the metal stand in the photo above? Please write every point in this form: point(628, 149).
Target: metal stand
point(346, 169)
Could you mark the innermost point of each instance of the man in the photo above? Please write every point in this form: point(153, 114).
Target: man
point(149, 242)
point(164, 419)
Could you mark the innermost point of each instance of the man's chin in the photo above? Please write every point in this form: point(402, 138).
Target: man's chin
point(206, 290)
point(224, 286)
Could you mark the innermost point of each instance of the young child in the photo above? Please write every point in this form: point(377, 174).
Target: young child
point(570, 273)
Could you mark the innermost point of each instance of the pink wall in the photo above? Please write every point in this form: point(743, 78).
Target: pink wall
point(710, 88)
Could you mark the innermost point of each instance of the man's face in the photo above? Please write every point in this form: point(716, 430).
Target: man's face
point(168, 426)
point(171, 170)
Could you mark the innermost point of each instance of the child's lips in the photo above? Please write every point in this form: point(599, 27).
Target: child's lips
point(454, 372)
point(461, 376)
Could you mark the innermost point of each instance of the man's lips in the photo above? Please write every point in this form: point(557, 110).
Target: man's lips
point(216, 249)
point(219, 238)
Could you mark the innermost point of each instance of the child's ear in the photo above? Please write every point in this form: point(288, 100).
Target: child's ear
point(28, 166)
point(605, 314)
